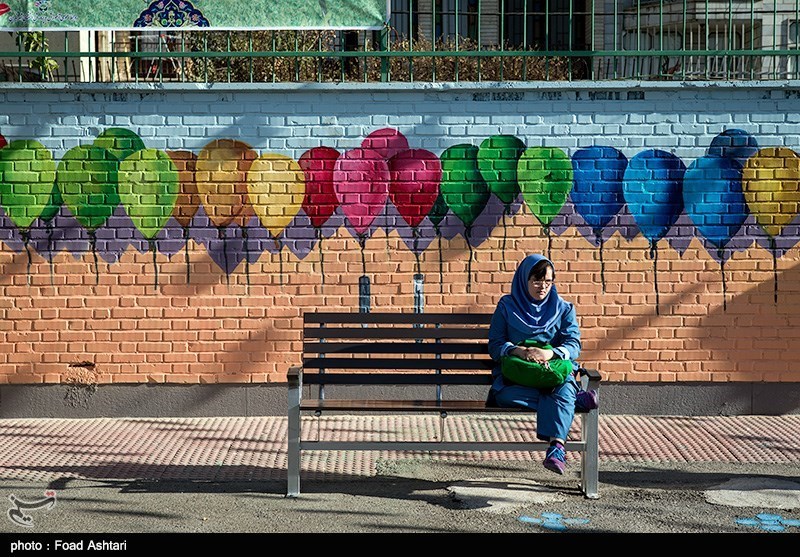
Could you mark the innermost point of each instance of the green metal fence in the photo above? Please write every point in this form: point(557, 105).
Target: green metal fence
point(447, 40)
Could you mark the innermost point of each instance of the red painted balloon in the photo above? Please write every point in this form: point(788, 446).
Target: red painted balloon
point(415, 176)
point(361, 179)
point(320, 200)
point(387, 142)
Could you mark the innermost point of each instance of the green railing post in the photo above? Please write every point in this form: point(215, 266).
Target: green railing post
point(384, 47)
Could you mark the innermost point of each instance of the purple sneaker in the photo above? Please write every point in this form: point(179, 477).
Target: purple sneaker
point(555, 458)
point(587, 400)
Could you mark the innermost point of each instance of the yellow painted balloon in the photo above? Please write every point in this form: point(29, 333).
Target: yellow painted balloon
point(220, 174)
point(276, 186)
point(771, 185)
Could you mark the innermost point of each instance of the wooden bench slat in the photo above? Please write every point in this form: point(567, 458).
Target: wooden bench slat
point(397, 379)
point(398, 363)
point(404, 405)
point(394, 348)
point(402, 318)
point(422, 405)
point(394, 333)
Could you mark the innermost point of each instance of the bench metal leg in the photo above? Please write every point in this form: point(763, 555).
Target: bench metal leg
point(590, 462)
point(293, 480)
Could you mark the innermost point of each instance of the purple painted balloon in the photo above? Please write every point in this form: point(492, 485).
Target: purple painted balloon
point(361, 180)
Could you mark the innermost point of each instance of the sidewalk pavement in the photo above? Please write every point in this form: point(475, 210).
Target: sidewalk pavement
point(235, 449)
point(217, 474)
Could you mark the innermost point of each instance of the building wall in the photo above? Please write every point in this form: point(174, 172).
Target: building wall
point(651, 311)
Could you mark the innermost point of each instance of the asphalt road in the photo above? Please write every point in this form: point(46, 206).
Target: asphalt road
point(405, 496)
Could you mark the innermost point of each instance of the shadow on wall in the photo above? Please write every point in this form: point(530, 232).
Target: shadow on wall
point(749, 339)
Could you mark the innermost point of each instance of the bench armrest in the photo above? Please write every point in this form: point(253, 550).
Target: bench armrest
point(592, 375)
point(295, 376)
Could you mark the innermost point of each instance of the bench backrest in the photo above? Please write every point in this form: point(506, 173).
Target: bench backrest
point(396, 348)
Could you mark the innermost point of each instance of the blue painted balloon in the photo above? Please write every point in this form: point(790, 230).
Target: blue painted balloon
point(712, 194)
point(597, 190)
point(734, 144)
point(652, 190)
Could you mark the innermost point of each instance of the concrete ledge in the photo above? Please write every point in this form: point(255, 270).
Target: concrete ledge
point(398, 86)
point(653, 399)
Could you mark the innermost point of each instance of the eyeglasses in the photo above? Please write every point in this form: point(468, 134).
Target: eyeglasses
point(540, 283)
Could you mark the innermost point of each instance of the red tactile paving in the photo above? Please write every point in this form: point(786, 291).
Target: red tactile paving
point(254, 449)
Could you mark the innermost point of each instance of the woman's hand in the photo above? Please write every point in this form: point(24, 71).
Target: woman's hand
point(538, 355)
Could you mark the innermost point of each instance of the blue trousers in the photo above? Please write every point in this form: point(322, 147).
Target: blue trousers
point(555, 408)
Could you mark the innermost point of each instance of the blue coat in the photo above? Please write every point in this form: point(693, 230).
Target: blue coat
point(564, 336)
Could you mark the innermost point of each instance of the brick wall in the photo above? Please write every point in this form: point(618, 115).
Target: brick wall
point(212, 318)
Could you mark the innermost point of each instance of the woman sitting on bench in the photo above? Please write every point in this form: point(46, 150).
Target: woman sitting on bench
point(535, 315)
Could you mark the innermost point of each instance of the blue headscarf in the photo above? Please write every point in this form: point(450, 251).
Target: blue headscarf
point(523, 312)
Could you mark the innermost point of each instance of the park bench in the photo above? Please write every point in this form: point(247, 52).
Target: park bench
point(404, 349)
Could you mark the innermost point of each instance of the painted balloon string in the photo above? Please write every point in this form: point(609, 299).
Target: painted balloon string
point(362, 240)
point(441, 259)
point(26, 238)
point(221, 234)
point(186, 255)
point(387, 229)
point(49, 227)
point(364, 295)
point(506, 211)
point(549, 242)
point(415, 233)
point(654, 257)
point(93, 244)
point(773, 249)
point(599, 237)
point(721, 255)
point(152, 243)
point(246, 258)
point(318, 233)
point(469, 261)
point(280, 260)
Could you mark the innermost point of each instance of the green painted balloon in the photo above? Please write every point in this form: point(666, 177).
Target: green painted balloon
point(463, 187)
point(27, 183)
point(87, 179)
point(498, 156)
point(438, 211)
point(120, 142)
point(149, 185)
point(545, 178)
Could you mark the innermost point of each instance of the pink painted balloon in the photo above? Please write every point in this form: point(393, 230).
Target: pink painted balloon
point(361, 180)
point(320, 200)
point(386, 141)
point(414, 176)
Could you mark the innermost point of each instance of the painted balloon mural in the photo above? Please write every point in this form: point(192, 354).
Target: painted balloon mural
point(545, 179)
point(498, 158)
point(221, 178)
point(464, 191)
point(714, 200)
point(597, 190)
point(228, 182)
point(771, 186)
point(28, 189)
point(149, 185)
point(361, 182)
point(188, 202)
point(652, 190)
point(276, 187)
point(320, 201)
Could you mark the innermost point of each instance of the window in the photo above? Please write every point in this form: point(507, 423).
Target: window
point(526, 24)
point(405, 18)
point(457, 18)
point(793, 43)
point(155, 41)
